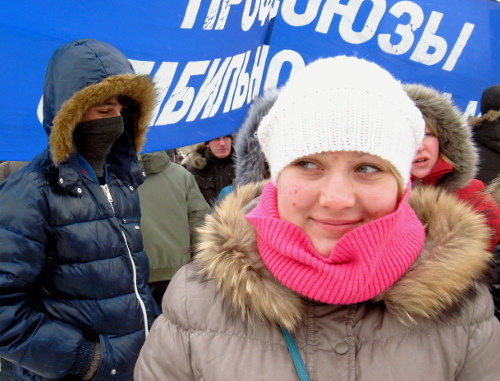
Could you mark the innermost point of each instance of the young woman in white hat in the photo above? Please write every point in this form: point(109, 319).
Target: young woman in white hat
point(332, 270)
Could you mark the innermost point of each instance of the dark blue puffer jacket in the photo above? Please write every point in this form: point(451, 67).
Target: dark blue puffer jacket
point(73, 271)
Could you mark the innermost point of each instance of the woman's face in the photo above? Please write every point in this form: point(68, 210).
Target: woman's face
point(331, 193)
point(427, 155)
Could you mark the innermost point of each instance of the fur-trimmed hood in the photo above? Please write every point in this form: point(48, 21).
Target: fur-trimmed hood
point(196, 158)
point(453, 258)
point(455, 137)
point(85, 73)
point(486, 130)
point(200, 155)
point(250, 160)
point(493, 188)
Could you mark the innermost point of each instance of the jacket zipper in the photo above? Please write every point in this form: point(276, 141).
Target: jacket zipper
point(141, 302)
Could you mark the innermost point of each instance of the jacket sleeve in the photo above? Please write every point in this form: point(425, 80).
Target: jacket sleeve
point(28, 337)
point(481, 361)
point(165, 356)
point(197, 206)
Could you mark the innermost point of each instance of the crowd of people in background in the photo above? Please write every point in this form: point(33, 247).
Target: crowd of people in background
point(349, 229)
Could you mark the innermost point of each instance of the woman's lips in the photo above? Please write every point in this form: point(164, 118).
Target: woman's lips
point(339, 227)
point(421, 161)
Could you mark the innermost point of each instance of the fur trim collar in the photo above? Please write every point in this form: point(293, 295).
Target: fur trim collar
point(455, 137)
point(490, 116)
point(138, 87)
point(493, 188)
point(487, 130)
point(196, 158)
point(200, 156)
point(454, 257)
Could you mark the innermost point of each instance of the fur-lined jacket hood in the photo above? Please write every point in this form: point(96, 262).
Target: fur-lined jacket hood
point(201, 154)
point(453, 258)
point(196, 158)
point(85, 73)
point(486, 129)
point(493, 188)
point(455, 136)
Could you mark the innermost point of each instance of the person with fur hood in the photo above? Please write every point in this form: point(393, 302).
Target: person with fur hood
point(447, 157)
point(335, 268)
point(74, 299)
point(486, 134)
point(212, 164)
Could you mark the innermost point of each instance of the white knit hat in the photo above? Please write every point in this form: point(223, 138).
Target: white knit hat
point(342, 104)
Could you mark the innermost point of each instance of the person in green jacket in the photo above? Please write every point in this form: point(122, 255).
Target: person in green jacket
point(172, 206)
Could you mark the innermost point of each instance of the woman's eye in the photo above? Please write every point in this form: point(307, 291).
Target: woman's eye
point(307, 164)
point(365, 168)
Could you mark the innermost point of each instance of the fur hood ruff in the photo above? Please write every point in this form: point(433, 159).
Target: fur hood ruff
point(486, 130)
point(85, 73)
point(490, 116)
point(453, 258)
point(493, 188)
point(138, 87)
point(196, 158)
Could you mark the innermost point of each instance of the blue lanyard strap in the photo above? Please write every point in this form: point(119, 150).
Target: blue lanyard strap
point(295, 354)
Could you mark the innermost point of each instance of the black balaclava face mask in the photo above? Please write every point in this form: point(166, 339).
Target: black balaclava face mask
point(94, 139)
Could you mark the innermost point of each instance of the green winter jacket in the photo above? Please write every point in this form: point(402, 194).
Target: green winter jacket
point(171, 207)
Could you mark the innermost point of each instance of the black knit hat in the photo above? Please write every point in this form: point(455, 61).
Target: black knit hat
point(490, 99)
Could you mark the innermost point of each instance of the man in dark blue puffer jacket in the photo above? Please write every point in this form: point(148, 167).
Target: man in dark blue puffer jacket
point(74, 301)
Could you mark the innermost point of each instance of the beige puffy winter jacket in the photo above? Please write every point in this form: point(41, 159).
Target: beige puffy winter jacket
point(221, 313)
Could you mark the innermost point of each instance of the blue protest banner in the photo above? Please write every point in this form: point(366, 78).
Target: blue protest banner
point(454, 49)
point(209, 58)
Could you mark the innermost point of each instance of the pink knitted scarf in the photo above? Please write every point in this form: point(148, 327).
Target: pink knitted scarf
point(363, 263)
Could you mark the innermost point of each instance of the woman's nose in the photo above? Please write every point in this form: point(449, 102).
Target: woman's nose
point(337, 193)
point(421, 147)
